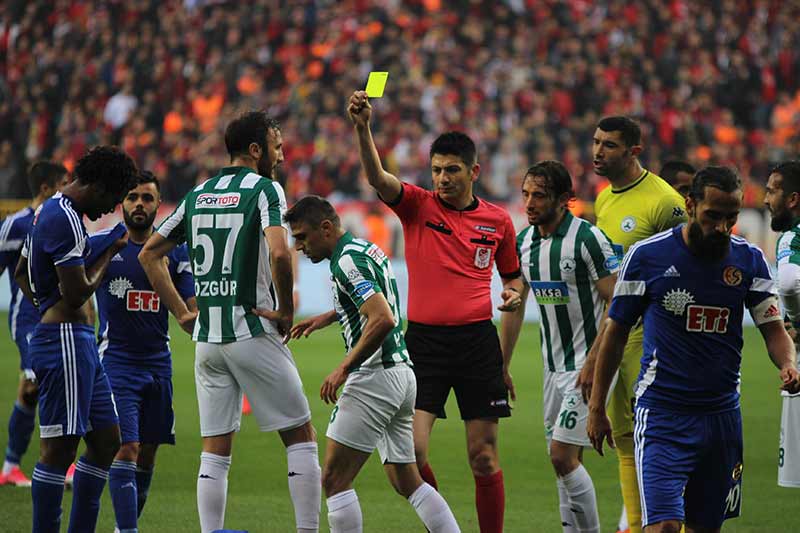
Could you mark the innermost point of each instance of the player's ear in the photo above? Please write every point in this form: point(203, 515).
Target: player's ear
point(476, 169)
point(255, 151)
point(636, 149)
point(690, 206)
point(793, 201)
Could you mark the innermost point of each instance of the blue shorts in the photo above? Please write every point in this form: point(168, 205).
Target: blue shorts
point(23, 339)
point(144, 403)
point(74, 392)
point(689, 466)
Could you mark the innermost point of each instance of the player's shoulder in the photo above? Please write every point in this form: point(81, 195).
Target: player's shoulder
point(16, 222)
point(746, 251)
point(657, 244)
point(523, 234)
point(59, 210)
point(495, 210)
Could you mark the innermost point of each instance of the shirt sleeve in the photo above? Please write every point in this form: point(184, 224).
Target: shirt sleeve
point(11, 243)
point(629, 300)
point(173, 227)
point(599, 256)
point(507, 257)
point(65, 239)
point(670, 211)
point(272, 206)
point(182, 277)
point(405, 206)
point(354, 277)
point(762, 285)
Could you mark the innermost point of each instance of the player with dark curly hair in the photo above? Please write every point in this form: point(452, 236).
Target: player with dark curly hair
point(75, 396)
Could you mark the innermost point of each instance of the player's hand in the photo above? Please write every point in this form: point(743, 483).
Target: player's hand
point(304, 328)
point(509, 384)
point(598, 426)
point(283, 321)
point(331, 384)
point(187, 320)
point(791, 380)
point(358, 109)
point(511, 300)
point(586, 379)
point(120, 243)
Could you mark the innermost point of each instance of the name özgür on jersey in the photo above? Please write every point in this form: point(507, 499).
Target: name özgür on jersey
point(222, 221)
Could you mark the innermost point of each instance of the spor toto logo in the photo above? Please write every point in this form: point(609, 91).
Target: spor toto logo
point(217, 201)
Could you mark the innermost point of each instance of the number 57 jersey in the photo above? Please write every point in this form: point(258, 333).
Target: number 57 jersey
point(222, 221)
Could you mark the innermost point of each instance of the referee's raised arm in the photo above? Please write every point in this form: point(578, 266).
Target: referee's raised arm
point(388, 186)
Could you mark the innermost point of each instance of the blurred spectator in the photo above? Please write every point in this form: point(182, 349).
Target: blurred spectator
point(711, 82)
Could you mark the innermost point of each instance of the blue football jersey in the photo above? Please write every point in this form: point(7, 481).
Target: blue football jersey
point(693, 312)
point(22, 314)
point(57, 238)
point(133, 323)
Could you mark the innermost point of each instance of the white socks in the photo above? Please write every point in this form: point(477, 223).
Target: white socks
point(212, 490)
point(433, 510)
point(344, 513)
point(8, 467)
point(581, 503)
point(567, 518)
point(305, 487)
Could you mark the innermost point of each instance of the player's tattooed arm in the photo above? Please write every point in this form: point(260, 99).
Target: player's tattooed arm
point(605, 288)
point(387, 185)
point(152, 260)
point(781, 350)
point(609, 356)
point(21, 277)
point(510, 326)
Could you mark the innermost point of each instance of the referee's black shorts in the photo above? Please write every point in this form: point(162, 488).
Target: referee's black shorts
point(465, 358)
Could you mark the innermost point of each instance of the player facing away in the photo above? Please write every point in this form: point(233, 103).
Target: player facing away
point(242, 268)
point(570, 266)
point(636, 205)
point(783, 201)
point(690, 285)
point(134, 346)
point(452, 241)
point(45, 178)
point(376, 407)
point(74, 393)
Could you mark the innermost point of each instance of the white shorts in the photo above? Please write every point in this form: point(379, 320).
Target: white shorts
point(565, 414)
point(261, 367)
point(376, 410)
point(789, 452)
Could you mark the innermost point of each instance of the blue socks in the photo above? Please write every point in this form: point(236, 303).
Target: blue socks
point(143, 479)
point(47, 491)
point(87, 487)
point(20, 429)
point(122, 485)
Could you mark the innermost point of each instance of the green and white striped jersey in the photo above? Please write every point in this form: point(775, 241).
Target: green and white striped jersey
point(223, 220)
point(359, 270)
point(787, 249)
point(562, 270)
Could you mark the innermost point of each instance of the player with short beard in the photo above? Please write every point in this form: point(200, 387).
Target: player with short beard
point(134, 344)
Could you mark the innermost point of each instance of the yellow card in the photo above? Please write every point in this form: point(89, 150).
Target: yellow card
point(376, 83)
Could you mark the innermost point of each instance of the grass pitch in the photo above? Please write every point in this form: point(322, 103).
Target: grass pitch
point(258, 499)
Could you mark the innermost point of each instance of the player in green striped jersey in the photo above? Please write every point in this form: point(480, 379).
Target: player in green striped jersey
point(243, 283)
point(376, 407)
point(570, 266)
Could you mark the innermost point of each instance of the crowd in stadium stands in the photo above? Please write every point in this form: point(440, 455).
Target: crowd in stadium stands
point(711, 82)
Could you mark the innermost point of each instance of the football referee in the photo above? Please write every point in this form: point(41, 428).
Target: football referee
point(452, 240)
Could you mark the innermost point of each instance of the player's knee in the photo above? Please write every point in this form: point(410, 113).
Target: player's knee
point(29, 394)
point(59, 453)
point(128, 451)
point(332, 482)
point(483, 460)
point(563, 463)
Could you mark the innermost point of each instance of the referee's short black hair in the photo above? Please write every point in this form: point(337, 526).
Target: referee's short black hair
point(250, 127)
point(630, 130)
point(110, 166)
point(313, 210)
point(556, 177)
point(723, 178)
point(44, 172)
point(790, 172)
point(669, 170)
point(455, 143)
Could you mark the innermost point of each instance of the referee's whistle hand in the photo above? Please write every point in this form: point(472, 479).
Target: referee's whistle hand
point(511, 301)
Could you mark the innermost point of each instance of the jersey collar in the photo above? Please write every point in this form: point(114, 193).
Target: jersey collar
point(560, 231)
point(236, 169)
point(640, 179)
point(343, 241)
point(471, 207)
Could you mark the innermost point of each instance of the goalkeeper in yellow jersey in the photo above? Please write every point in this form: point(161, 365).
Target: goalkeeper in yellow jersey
point(637, 205)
